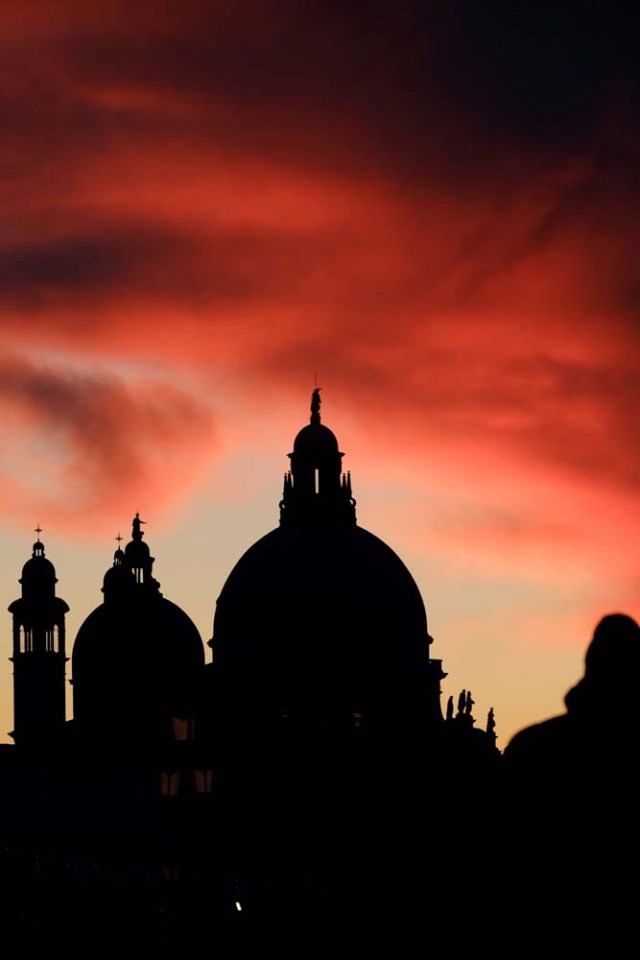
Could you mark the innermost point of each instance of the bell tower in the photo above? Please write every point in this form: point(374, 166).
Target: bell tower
point(39, 659)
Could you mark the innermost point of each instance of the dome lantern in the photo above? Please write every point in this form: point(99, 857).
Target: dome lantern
point(137, 554)
point(315, 488)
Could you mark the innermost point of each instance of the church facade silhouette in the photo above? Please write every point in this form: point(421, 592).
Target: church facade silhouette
point(315, 725)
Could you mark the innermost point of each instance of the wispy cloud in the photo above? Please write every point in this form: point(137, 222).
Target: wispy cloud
point(81, 449)
point(406, 200)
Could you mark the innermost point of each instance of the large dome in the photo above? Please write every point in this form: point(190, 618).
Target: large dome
point(320, 617)
point(320, 620)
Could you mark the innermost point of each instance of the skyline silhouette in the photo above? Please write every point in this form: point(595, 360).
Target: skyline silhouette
point(430, 211)
point(254, 780)
point(493, 690)
point(300, 774)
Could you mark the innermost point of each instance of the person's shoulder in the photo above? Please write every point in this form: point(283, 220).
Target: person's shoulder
point(537, 737)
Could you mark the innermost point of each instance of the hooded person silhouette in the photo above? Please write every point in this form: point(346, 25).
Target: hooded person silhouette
point(599, 732)
point(571, 797)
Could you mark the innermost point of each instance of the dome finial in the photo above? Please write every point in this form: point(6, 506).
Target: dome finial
point(315, 405)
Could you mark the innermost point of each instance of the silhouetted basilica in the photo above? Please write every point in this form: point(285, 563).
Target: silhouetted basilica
point(310, 762)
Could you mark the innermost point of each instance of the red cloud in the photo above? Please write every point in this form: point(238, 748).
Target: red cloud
point(314, 190)
point(80, 450)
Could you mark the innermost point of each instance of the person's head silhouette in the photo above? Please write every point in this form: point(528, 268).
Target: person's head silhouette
point(611, 674)
point(601, 706)
point(614, 650)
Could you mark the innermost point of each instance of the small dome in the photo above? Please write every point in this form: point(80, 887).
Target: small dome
point(137, 549)
point(139, 660)
point(39, 568)
point(38, 572)
point(116, 580)
point(316, 439)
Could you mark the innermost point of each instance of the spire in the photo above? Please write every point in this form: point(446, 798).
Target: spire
point(315, 406)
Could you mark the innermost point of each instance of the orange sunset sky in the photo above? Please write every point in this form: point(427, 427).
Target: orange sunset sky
point(432, 206)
